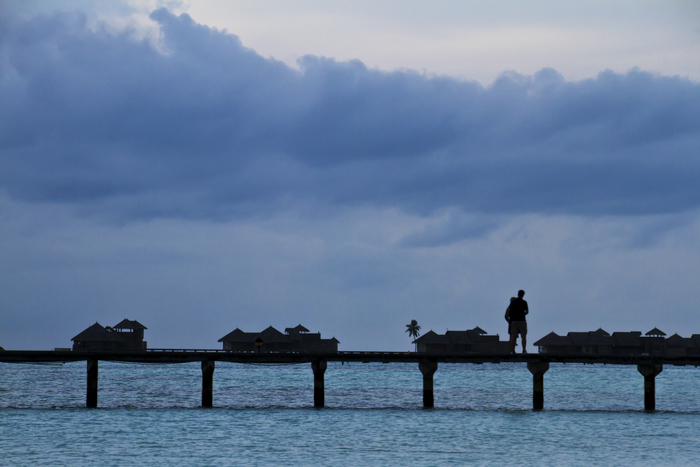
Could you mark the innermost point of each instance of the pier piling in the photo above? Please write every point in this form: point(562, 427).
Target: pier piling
point(319, 368)
point(538, 369)
point(428, 368)
point(92, 371)
point(649, 372)
point(207, 383)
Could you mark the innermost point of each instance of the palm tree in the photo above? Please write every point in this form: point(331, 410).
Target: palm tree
point(413, 330)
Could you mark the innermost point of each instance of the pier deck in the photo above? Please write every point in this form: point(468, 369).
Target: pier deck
point(538, 364)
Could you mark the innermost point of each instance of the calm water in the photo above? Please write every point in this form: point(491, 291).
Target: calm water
point(149, 415)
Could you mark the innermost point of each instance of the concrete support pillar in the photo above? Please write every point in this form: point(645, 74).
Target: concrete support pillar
point(207, 383)
point(319, 369)
point(428, 369)
point(538, 369)
point(649, 372)
point(92, 367)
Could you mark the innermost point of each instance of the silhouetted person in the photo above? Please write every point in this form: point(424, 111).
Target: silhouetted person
point(508, 317)
point(515, 315)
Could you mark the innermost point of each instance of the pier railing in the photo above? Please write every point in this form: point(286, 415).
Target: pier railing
point(537, 364)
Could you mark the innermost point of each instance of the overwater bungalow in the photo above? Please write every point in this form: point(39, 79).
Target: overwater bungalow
point(470, 341)
point(600, 342)
point(296, 339)
point(127, 335)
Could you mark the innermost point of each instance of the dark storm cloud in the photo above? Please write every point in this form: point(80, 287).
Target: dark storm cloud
point(207, 128)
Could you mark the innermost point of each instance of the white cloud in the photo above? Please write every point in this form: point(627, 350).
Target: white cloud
point(471, 40)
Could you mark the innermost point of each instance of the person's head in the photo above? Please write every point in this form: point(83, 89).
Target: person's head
point(512, 298)
point(521, 293)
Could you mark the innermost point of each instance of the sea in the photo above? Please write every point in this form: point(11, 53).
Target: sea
point(264, 415)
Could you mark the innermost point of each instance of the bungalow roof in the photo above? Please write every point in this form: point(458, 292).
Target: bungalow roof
point(674, 338)
point(431, 337)
point(271, 334)
point(297, 328)
point(554, 339)
point(655, 332)
point(238, 336)
point(129, 324)
point(97, 332)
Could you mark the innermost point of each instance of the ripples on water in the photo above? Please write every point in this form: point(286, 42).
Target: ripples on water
point(150, 415)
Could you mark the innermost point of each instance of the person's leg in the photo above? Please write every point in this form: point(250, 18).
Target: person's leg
point(523, 334)
point(524, 343)
point(513, 338)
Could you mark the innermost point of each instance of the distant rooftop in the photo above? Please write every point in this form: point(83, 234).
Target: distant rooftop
point(97, 332)
point(129, 324)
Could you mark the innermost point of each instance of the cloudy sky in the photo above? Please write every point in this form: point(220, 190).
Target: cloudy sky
point(349, 166)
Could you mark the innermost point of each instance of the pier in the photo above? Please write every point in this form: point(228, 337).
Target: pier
point(428, 364)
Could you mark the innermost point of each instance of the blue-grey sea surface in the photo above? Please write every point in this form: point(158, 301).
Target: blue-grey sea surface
point(264, 415)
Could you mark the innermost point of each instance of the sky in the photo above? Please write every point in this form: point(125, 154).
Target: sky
point(348, 166)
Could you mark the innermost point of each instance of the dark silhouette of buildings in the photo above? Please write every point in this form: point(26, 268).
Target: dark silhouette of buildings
point(127, 335)
point(472, 341)
point(601, 342)
point(296, 339)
